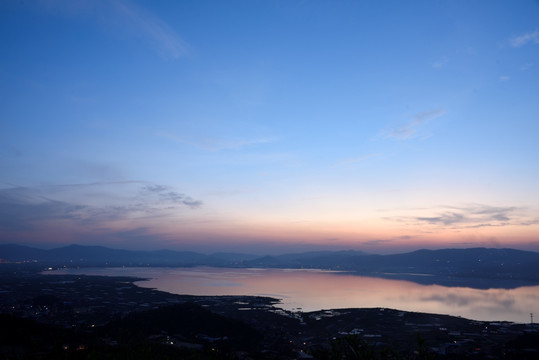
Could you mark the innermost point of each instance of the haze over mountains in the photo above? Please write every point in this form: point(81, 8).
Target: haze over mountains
point(476, 267)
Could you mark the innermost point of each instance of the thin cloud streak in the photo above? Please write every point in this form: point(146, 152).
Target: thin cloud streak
point(442, 62)
point(166, 195)
point(215, 145)
point(472, 216)
point(160, 34)
point(531, 37)
point(409, 130)
point(353, 161)
point(423, 117)
point(29, 208)
point(124, 16)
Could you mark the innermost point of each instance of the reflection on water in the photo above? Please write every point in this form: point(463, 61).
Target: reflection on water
point(315, 290)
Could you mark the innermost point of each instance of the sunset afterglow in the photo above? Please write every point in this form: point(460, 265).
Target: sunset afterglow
point(270, 126)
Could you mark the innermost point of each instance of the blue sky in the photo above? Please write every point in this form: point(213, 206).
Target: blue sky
point(270, 125)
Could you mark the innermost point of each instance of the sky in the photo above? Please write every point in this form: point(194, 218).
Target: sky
point(270, 126)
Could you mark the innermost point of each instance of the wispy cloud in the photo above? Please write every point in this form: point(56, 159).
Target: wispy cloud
point(531, 37)
point(214, 144)
point(126, 17)
point(471, 216)
point(390, 241)
point(356, 160)
point(504, 78)
point(166, 195)
point(410, 129)
point(440, 63)
point(26, 208)
point(149, 26)
point(22, 212)
point(479, 215)
point(377, 242)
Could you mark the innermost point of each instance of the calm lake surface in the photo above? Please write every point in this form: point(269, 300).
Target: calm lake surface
point(310, 290)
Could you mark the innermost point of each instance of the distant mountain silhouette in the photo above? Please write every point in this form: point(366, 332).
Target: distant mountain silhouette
point(336, 260)
point(102, 256)
point(477, 267)
point(465, 267)
point(14, 252)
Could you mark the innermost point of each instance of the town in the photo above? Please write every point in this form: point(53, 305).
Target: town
point(111, 315)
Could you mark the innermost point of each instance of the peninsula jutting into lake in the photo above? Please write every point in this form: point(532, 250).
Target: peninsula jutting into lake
point(315, 290)
point(75, 316)
point(479, 283)
point(265, 312)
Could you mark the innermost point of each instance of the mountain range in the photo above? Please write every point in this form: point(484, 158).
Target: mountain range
point(476, 267)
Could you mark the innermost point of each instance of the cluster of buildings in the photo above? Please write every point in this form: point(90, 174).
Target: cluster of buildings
point(88, 302)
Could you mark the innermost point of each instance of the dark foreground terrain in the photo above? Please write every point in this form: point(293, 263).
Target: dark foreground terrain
point(88, 317)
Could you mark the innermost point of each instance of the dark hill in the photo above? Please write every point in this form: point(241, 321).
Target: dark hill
point(462, 267)
point(188, 321)
point(78, 255)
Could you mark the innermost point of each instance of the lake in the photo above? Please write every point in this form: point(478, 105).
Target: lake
point(310, 290)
